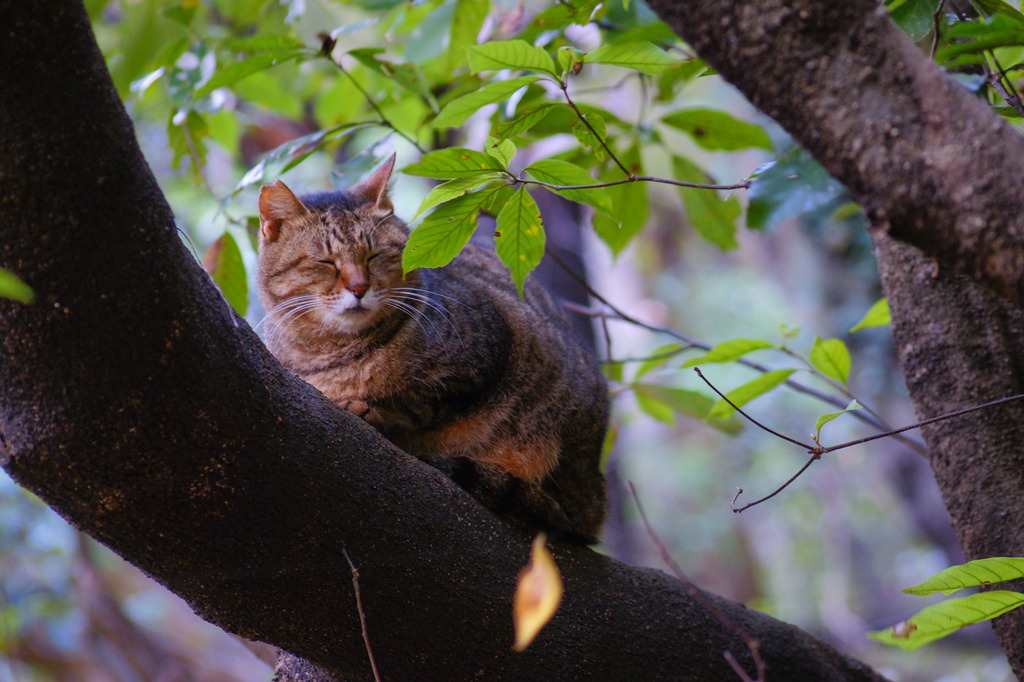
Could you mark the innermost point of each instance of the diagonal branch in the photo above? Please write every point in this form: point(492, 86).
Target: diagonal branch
point(136, 406)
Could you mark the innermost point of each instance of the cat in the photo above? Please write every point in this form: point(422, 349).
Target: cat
point(450, 364)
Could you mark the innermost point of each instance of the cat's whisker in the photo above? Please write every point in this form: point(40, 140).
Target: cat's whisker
point(382, 221)
point(425, 292)
point(294, 309)
point(413, 314)
point(422, 298)
point(439, 309)
point(411, 307)
point(296, 312)
point(283, 305)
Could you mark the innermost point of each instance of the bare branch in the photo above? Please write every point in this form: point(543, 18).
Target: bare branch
point(634, 178)
point(753, 421)
point(362, 615)
point(752, 643)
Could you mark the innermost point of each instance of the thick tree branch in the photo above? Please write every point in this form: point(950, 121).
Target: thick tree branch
point(959, 345)
point(137, 406)
point(935, 168)
point(930, 164)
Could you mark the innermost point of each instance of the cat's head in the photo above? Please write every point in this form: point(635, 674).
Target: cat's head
point(327, 261)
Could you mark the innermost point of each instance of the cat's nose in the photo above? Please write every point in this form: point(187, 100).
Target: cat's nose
point(359, 289)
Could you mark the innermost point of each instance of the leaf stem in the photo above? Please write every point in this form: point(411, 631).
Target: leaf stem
point(564, 85)
point(809, 448)
point(633, 178)
point(373, 105)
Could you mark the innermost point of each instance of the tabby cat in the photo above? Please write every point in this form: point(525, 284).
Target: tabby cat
point(449, 363)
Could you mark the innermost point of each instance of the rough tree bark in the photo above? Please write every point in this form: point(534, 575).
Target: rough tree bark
point(142, 410)
point(928, 162)
point(934, 168)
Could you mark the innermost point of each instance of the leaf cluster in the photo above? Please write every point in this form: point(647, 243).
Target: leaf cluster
point(429, 74)
point(943, 619)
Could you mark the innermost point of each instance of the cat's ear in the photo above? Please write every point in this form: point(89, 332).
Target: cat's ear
point(375, 188)
point(277, 204)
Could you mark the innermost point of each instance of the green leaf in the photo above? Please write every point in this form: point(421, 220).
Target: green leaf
point(406, 75)
point(619, 230)
point(519, 239)
point(467, 20)
point(712, 217)
point(189, 73)
point(225, 265)
point(616, 233)
point(727, 351)
point(568, 58)
point(525, 120)
point(826, 418)
point(653, 406)
point(876, 316)
point(640, 55)
point(989, 41)
point(690, 403)
point(13, 288)
point(1000, 30)
point(443, 233)
point(186, 135)
point(945, 618)
point(658, 357)
point(717, 130)
point(832, 358)
point(236, 71)
point(972, 574)
point(915, 17)
point(563, 173)
point(1007, 12)
point(747, 392)
point(502, 150)
point(266, 42)
point(510, 54)
point(451, 190)
point(794, 185)
point(588, 138)
point(664, 403)
point(453, 162)
point(455, 113)
point(610, 438)
point(291, 153)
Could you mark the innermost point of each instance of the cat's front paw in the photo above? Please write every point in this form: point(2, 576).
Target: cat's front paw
point(357, 407)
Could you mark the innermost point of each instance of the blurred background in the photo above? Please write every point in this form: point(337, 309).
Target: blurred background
point(830, 553)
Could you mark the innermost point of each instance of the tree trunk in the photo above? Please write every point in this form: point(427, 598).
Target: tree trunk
point(929, 162)
point(960, 345)
point(933, 167)
point(145, 412)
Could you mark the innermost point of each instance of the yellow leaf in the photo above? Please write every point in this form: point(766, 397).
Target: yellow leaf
point(538, 594)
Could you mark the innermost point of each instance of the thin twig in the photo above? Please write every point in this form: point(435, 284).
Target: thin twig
point(995, 80)
point(937, 28)
point(362, 616)
point(565, 91)
point(752, 643)
point(753, 421)
point(818, 450)
point(815, 455)
point(649, 358)
point(867, 418)
point(633, 178)
point(608, 88)
point(926, 422)
point(373, 105)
